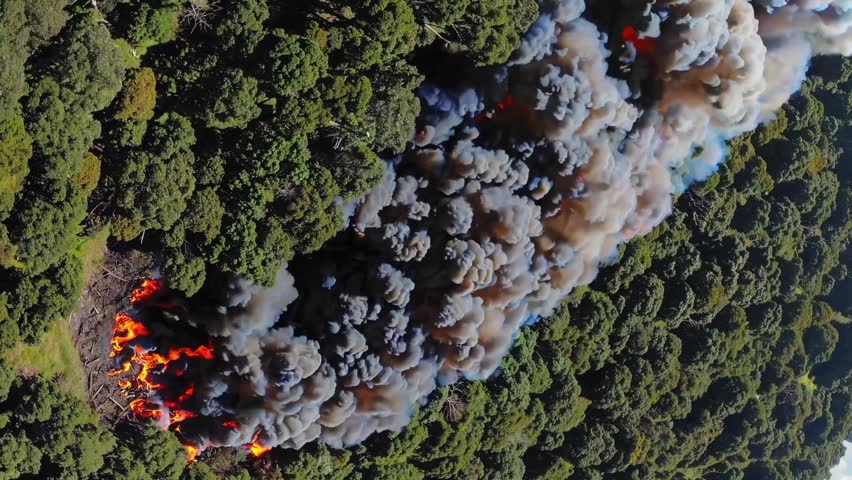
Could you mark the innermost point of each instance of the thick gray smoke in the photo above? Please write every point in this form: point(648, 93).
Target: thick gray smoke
point(510, 195)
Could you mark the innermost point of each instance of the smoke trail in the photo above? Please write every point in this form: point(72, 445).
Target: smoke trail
point(511, 194)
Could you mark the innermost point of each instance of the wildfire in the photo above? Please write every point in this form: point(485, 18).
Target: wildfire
point(125, 330)
point(256, 448)
point(155, 363)
point(232, 424)
point(125, 367)
point(507, 106)
point(142, 408)
point(148, 288)
point(191, 452)
point(187, 394)
point(154, 367)
point(644, 46)
point(181, 415)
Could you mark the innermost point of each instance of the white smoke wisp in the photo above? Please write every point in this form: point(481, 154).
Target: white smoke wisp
point(511, 194)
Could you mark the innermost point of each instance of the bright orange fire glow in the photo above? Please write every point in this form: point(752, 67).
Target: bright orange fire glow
point(125, 330)
point(153, 365)
point(152, 362)
point(125, 367)
point(147, 289)
point(181, 415)
point(191, 453)
point(142, 408)
point(256, 448)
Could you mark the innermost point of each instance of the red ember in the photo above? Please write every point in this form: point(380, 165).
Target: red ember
point(644, 46)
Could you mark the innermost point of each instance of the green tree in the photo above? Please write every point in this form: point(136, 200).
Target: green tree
point(45, 20)
point(18, 457)
point(15, 152)
point(14, 34)
point(491, 30)
point(147, 454)
point(139, 97)
point(294, 65)
point(233, 100)
point(89, 65)
point(240, 27)
point(153, 25)
point(156, 181)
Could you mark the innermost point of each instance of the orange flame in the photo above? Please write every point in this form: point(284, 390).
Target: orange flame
point(146, 290)
point(256, 448)
point(181, 415)
point(191, 452)
point(140, 407)
point(125, 330)
point(152, 363)
point(125, 367)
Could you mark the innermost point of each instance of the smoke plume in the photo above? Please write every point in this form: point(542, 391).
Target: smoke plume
point(510, 194)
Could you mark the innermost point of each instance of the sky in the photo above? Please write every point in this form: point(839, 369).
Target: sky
point(843, 470)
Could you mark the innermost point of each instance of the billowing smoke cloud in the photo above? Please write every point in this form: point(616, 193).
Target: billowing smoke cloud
point(511, 194)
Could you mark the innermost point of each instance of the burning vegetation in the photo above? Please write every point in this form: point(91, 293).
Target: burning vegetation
point(511, 194)
point(157, 379)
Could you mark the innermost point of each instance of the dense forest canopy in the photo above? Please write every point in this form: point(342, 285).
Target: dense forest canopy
point(414, 197)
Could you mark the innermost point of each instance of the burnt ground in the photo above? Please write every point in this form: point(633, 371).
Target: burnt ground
point(106, 293)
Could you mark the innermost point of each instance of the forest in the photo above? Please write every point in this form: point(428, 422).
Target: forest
point(217, 138)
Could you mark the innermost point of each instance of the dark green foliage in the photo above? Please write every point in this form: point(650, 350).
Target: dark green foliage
point(153, 25)
point(198, 471)
point(240, 27)
point(53, 434)
point(46, 229)
point(15, 153)
point(156, 180)
point(41, 299)
point(184, 273)
point(89, 65)
point(45, 19)
point(491, 30)
point(14, 34)
point(149, 454)
point(294, 65)
point(394, 108)
point(19, 457)
point(487, 31)
point(232, 101)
